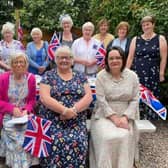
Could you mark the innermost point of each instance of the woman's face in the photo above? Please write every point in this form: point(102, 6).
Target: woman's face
point(66, 26)
point(19, 65)
point(103, 28)
point(115, 61)
point(36, 36)
point(64, 61)
point(87, 33)
point(147, 27)
point(8, 36)
point(122, 32)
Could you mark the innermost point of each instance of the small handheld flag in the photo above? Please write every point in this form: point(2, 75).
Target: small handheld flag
point(100, 55)
point(150, 100)
point(37, 139)
point(54, 44)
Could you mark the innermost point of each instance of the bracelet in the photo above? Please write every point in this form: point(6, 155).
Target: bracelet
point(75, 109)
point(65, 111)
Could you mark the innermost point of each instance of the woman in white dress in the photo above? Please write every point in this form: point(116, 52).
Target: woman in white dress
point(113, 137)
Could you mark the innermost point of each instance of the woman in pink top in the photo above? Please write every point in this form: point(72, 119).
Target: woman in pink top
point(17, 98)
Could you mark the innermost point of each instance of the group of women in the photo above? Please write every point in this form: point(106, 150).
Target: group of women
point(65, 94)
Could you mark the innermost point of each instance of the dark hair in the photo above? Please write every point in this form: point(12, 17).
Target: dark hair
point(122, 54)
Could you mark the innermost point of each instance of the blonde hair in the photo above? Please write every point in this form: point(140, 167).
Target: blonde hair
point(63, 49)
point(121, 25)
point(18, 54)
point(38, 30)
point(88, 24)
point(148, 19)
point(8, 27)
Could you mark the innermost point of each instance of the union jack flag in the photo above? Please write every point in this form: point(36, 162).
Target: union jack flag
point(100, 55)
point(150, 100)
point(37, 139)
point(54, 44)
point(20, 32)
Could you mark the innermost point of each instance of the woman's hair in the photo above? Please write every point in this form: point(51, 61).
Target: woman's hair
point(65, 18)
point(63, 49)
point(8, 27)
point(88, 24)
point(121, 25)
point(17, 54)
point(122, 54)
point(103, 21)
point(148, 19)
point(38, 30)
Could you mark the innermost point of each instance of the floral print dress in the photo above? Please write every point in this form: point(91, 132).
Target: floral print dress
point(146, 65)
point(70, 141)
point(12, 136)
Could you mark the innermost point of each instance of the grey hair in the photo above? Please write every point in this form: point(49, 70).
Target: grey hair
point(88, 24)
point(38, 30)
point(65, 18)
point(17, 54)
point(63, 49)
point(8, 26)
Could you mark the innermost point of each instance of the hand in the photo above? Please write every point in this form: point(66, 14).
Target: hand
point(115, 119)
point(161, 78)
point(24, 112)
point(124, 122)
point(17, 112)
point(89, 63)
point(41, 69)
point(69, 114)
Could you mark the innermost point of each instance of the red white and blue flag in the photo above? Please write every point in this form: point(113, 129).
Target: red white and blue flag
point(150, 100)
point(19, 32)
point(37, 140)
point(100, 55)
point(54, 44)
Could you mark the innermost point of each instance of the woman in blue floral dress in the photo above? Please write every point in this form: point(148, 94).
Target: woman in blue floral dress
point(148, 56)
point(65, 95)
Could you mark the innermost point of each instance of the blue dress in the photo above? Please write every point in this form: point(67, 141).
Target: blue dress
point(70, 141)
point(147, 64)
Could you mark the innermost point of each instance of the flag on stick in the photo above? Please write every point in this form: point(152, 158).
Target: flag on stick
point(100, 55)
point(19, 31)
point(54, 44)
point(150, 100)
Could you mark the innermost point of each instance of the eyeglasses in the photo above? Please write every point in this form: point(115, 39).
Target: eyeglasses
point(115, 58)
point(19, 62)
point(64, 58)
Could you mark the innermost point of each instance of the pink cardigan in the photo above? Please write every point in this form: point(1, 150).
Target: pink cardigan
point(5, 106)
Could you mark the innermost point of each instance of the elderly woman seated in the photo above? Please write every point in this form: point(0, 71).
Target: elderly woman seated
point(65, 96)
point(17, 98)
point(112, 132)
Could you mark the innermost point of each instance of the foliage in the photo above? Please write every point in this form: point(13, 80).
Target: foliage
point(45, 13)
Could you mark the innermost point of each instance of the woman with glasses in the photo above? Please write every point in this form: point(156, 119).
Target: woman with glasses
point(65, 95)
point(112, 132)
point(17, 98)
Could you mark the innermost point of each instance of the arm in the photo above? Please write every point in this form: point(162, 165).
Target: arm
point(103, 106)
point(30, 54)
point(4, 66)
point(85, 101)
point(131, 53)
point(163, 56)
point(46, 62)
point(30, 100)
point(131, 111)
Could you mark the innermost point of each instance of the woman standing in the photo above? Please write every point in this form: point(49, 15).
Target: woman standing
point(148, 58)
point(37, 52)
point(103, 36)
point(122, 40)
point(65, 96)
point(84, 50)
point(112, 133)
point(17, 98)
point(66, 37)
point(8, 46)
